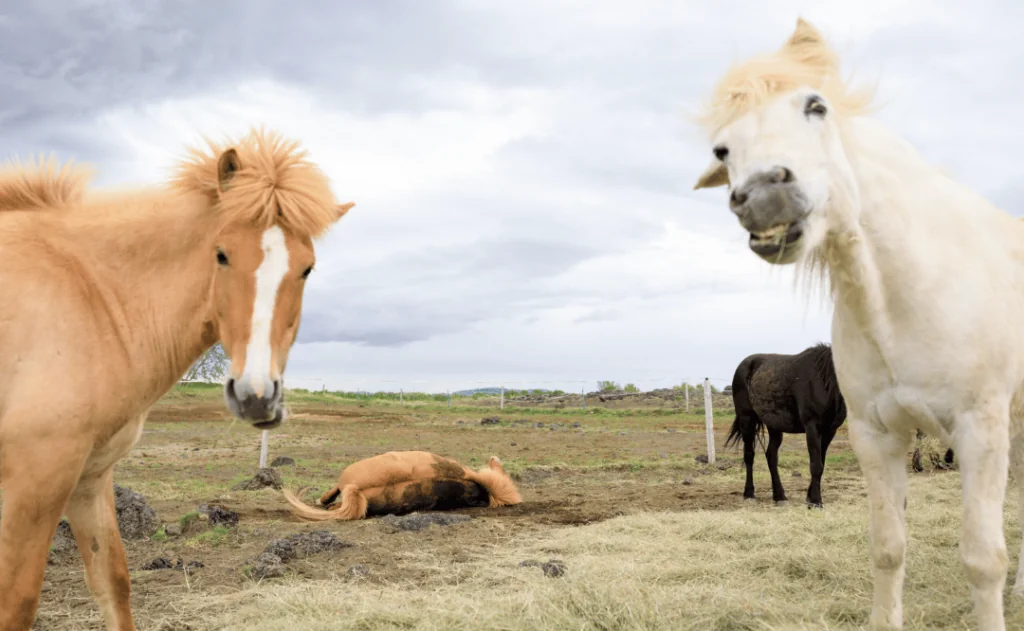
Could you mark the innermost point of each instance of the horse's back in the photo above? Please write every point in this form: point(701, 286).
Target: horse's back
point(396, 467)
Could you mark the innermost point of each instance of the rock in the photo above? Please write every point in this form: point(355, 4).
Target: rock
point(264, 478)
point(552, 568)
point(701, 459)
point(687, 482)
point(512, 444)
point(358, 570)
point(266, 565)
point(163, 563)
point(490, 420)
point(283, 461)
point(172, 529)
point(797, 474)
point(577, 424)
point(136, 519)
point(63, 548)
point(415, 522)
point(218, 515)
point(672, 430)
point(539, 424)
point(304, 544)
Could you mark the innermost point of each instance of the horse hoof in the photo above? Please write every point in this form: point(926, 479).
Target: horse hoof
point(782, 503)
point(811, 505)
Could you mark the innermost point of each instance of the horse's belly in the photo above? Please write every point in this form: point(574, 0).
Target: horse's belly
point(115, 448)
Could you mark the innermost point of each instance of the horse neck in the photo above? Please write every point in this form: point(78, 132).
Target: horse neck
point(889, 198)
point(155, 265)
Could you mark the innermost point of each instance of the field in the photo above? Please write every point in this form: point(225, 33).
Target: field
point(648, 536)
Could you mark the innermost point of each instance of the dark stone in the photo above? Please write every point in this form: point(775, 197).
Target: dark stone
point(415, 522)
point(490, 420)
point(701, 458)
point(304, 544)
point(266, 565)
point(63, 548)
point(163, 563)
point(136, 519)
point(218, 515)
point(553, 568)
point(264, 478)
point(358, 570)
point(282, 461)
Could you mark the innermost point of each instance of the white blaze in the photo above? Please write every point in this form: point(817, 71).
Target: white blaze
point(269, 274)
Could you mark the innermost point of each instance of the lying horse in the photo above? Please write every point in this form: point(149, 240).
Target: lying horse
point(792, 394)
point(400, 482)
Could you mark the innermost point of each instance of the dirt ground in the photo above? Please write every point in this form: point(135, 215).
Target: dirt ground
point(572, 468)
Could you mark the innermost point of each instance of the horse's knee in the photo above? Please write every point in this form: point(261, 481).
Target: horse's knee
point(888, 550)
point(985, 565)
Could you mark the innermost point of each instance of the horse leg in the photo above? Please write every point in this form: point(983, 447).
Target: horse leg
point(1017, 462)
point(772, 456)
point(94, 522)
point(882, 456)
point(816, 459)
point(982, 443)
point(748, 460)
point(37, 480)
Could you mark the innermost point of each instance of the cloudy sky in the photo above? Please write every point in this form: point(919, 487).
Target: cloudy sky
point(522, 170)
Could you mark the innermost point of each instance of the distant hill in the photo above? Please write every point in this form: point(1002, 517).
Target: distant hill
point(491, 390)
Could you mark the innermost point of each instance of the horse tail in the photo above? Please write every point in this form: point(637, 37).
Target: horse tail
point(353, 505)
point(746, 419)
point(499, 486)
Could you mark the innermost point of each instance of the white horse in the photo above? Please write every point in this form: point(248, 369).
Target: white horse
point(927, 278)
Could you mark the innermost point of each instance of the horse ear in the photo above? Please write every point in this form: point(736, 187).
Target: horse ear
point(343, 209)
point(227, 165)
point(805, 35)
point(715, 175)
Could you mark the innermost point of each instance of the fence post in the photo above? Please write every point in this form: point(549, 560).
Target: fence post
point(263, 448)
point(686, 386)
point(501, 403)
point(449, 392)
point(401, 396)
point(583, 393)
point(709, 426)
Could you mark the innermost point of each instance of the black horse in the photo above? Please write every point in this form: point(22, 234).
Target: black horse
point(791, 394)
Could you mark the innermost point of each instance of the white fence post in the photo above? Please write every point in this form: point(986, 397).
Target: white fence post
point(583, 393)
point(449, 393)
point(401, 396)
point(263, 449)
point(709, 426)
point(501, 404)
point(686, 386)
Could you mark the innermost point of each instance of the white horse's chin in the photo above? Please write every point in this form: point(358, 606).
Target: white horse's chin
point(781, 245)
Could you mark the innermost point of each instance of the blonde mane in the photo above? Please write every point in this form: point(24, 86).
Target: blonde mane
point(42, 184)
point(275, 184)
point(804, 60)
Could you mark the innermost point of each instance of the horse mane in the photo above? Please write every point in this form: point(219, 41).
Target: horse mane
point(276, 184)
point(42, 184)
point(825, 367)
point(805, 59)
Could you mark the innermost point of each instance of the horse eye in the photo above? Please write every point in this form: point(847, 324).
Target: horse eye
point(721, 153)
point(306, 273)
point(815, 106)
point(222, 259)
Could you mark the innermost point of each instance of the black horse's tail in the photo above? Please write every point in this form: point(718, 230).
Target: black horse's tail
point(747, 421)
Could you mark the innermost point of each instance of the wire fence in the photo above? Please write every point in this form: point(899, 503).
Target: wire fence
point(603, 389)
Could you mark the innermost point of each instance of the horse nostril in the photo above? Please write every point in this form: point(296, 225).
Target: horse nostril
point(276, 395)
point(782, 175)
point(230, 387)
point(737, 198)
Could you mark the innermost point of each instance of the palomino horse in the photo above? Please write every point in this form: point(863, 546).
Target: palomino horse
point(400, 482)
point(927, 278)
point(787, 394)
point(108, 300)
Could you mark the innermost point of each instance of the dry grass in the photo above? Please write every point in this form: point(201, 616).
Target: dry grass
point(757, 568)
